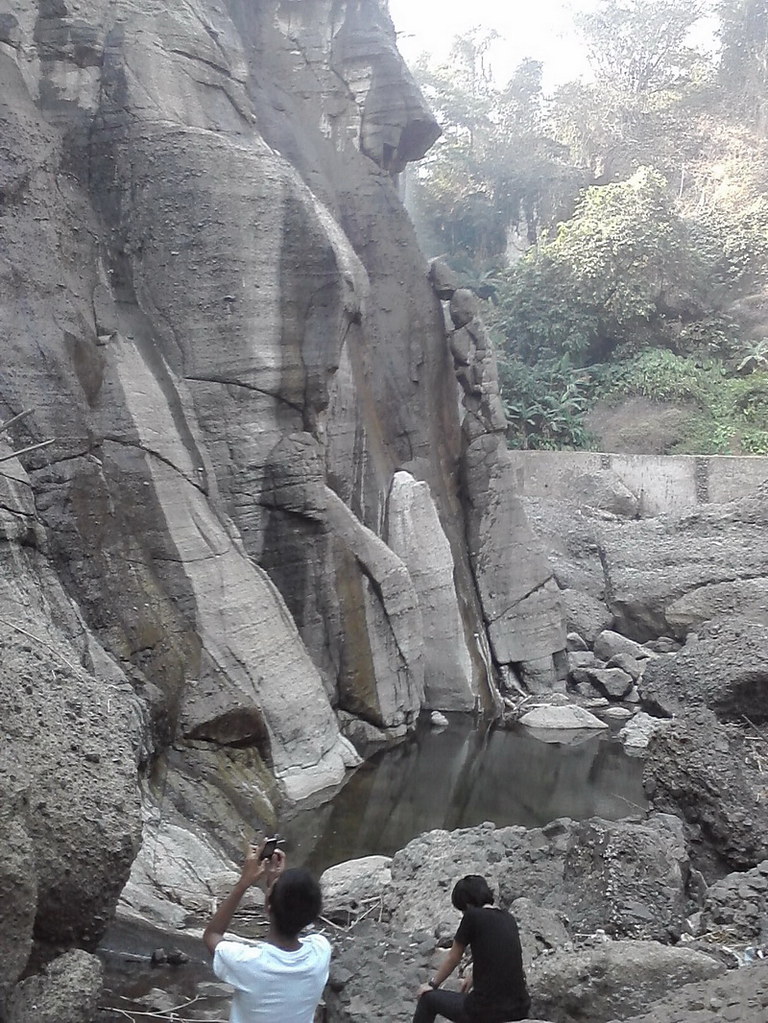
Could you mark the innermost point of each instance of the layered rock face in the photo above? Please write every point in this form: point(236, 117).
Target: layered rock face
point(251, 525)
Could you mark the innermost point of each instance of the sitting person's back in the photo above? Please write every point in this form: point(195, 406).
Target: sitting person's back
point(499, 987)
point(495, 991)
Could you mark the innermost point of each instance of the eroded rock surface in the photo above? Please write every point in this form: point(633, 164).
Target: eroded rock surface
point(660, 576)
point(724, 668)
point(67, 991)
point(739, 997)
point(711, 775)
point(627, 877)
point(248, 542)
point(612, 979)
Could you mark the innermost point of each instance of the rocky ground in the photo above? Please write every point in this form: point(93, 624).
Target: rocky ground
point(615, 927)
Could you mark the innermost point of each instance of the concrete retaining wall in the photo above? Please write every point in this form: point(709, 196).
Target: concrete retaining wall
point(662, 483)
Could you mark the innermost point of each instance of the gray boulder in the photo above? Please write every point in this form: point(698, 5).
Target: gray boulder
point(443, 279)
point(628, 878)
point(608, 644)
point(707, 774)
point(415, 534)
point(726, 669)
point(637, 732)
point(603, 490)
point(574, 642)
point(738, 997)
point(376, 971)
point(464, 307)
point(541, 930)
point(561, 718)
point(582, 659)
point(613, 979)
point(737, 904)
point(67, 991)
point(614, 683)
point(631, 665)
point(585, 614)
point(351, 888)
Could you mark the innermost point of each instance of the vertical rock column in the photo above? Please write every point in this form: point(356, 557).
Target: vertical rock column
point(415, 534)
point(518, 592)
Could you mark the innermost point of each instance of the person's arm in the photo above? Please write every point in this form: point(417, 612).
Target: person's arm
point(446, 968)
point(254, 870)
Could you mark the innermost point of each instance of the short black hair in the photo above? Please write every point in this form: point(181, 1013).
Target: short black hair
point(295, 900)
point(471, 890)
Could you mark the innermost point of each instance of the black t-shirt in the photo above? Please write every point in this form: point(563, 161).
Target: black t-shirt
point(499, 991)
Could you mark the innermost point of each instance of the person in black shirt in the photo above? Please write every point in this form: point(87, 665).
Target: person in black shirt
point(495, 991)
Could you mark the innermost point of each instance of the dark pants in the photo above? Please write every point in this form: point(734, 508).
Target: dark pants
point(448, 1004)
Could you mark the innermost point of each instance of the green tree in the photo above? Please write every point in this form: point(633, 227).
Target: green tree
point(744, 59)
point(495, 171)
point(640, 46)
point(608, 277)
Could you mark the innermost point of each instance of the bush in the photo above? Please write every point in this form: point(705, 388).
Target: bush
point(545, 404)
point(730, 413)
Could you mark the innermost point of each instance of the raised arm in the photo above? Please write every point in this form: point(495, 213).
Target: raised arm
point(254, 870)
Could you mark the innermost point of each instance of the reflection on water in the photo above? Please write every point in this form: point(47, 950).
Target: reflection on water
point(461, 776)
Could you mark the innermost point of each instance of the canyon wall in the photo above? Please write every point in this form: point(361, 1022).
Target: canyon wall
point(267, 533)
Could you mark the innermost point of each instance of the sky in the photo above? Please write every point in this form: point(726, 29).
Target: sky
point(541, 29)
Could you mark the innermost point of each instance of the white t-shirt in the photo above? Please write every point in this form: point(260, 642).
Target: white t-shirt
point(272, 985)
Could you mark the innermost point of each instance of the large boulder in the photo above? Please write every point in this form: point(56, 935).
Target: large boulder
point(561, 718)
point(414, 533)
point(354, 887)
point(67, 991)
point(737, 904)
point(585, 614)
point(628, 878)
point(738, 997)
point(376, 971)
point(612, 979)
point(610, 644)
point(711, 776)
point(724, 668)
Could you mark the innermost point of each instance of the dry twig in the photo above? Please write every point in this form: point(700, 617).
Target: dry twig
point(36, 639)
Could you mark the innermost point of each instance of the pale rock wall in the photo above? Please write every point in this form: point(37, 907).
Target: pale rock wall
point(212, 299)
point(414, 532)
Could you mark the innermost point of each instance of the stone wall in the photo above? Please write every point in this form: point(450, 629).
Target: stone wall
point(661, 483)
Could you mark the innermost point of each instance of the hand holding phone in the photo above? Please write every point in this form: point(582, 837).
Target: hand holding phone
point(270, 846)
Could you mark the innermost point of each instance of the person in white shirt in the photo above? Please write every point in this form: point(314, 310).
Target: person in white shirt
point(280, 979)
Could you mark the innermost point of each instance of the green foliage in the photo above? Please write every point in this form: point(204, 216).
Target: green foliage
point(604, 278)
point(637, 204)
point(755, 357)
point(640, 46)
point(495, 171)
point(731, 242)
point(656, 373)
point(545, 404)
point(729, 413)
point(744, 61)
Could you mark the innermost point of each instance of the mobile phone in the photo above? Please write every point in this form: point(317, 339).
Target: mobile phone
point(270, 846)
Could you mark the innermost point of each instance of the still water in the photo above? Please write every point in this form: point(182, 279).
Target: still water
point(461, 776)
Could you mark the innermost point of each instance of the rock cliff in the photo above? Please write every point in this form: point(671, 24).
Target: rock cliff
point(261, 523)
